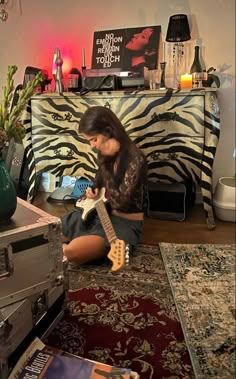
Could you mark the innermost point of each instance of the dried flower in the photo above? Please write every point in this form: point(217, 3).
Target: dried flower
point(10, 125)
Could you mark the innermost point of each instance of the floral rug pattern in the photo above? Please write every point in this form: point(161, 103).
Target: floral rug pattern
point(127, 319)
point(202, 278)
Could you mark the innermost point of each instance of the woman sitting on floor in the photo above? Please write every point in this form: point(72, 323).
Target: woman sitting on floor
point(122, 172)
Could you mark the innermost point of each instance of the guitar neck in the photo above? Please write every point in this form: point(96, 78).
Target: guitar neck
point(105, 220)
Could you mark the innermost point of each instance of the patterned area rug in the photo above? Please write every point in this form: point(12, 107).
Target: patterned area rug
point(202, 279)
point(128, 319)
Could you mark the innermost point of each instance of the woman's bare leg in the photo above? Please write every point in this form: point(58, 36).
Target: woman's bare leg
point(85, 249)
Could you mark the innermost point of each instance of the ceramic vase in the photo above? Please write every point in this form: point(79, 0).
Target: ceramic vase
point(8, 196)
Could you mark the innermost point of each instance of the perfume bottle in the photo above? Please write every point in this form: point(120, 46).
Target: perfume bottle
point(196, 65)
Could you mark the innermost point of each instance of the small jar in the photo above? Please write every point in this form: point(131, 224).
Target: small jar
point(74, 80)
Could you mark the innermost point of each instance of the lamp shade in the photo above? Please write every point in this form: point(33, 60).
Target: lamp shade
point(178, 28)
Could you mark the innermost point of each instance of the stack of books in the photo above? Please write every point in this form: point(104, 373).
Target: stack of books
point(40, 361)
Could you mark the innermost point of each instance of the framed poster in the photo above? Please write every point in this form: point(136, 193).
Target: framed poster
point(129, 49)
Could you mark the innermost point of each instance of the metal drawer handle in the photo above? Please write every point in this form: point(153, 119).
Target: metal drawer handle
point(58, 117)
point(68, 154)
point(6, 261)
point(166, 116)
point(5, 329)
point(107, 105)
point(163, 157)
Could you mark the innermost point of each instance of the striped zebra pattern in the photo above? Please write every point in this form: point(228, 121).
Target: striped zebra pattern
point(178, 132)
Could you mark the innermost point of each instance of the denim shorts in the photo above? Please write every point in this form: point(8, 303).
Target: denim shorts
point(129, 231)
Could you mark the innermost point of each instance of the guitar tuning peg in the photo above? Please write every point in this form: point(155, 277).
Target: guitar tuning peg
point(127, 254)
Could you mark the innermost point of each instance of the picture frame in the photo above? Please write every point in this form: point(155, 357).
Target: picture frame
point(129, 49)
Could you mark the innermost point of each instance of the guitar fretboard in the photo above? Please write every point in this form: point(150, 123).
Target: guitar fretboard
point(105, 220)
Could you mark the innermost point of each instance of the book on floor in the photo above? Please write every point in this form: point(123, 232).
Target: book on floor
point(44, 362)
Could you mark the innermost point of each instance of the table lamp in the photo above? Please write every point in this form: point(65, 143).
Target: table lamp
point(178, 32)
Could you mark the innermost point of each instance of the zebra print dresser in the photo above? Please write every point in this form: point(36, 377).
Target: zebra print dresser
point(178, 132)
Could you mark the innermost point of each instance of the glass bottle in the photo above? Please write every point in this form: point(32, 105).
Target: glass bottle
point(196, 66)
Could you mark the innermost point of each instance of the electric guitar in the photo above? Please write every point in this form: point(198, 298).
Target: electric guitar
point(119, 252)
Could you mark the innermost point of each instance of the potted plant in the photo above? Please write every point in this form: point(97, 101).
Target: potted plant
point(212, 78)
point(11, 127)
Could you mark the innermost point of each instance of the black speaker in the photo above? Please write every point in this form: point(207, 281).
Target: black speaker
point(170, 201)
point(94, 83)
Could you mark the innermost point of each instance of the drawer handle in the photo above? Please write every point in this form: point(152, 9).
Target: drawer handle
point(6, 262)
point(107, 105)
point(68, 154)
point(58, 117)
point(163, 157)
point(166, 116)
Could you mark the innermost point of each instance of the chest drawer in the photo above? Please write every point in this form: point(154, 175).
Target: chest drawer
point(61, 115)
point(64, 155)
point(162, 116)
point(173, 159)
point(141, 115)
point(55, 116)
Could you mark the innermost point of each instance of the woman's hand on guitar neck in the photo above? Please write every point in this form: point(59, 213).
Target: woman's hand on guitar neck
point(92, 193)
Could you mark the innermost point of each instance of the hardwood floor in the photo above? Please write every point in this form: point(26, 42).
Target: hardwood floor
point(192, 230)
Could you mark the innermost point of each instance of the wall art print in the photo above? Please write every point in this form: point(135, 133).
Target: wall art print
point(129, 49)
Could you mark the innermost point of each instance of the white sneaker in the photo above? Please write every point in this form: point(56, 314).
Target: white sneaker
point(64, 258)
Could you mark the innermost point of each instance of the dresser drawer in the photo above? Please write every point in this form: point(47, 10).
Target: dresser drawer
point(61, 115)
point(55, 116)
point(182, 115)
point(167, 157)
point(64, 155)
point(173, 159)
point(141, 115)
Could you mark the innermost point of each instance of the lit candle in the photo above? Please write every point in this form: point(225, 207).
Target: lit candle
point(163, 52)
point(186, 81)
point(83, 57)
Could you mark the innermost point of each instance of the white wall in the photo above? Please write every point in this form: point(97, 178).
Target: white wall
point(34, 28)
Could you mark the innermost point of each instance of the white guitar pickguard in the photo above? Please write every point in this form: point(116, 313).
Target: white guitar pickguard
point(88, 205)
point(119, 252)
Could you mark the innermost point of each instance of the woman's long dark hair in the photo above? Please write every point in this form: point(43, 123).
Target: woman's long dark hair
point(101, 120)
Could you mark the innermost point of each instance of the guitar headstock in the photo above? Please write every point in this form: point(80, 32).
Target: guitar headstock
point(118, 254)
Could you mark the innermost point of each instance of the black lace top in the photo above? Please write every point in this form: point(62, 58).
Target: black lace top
point(129, 196)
